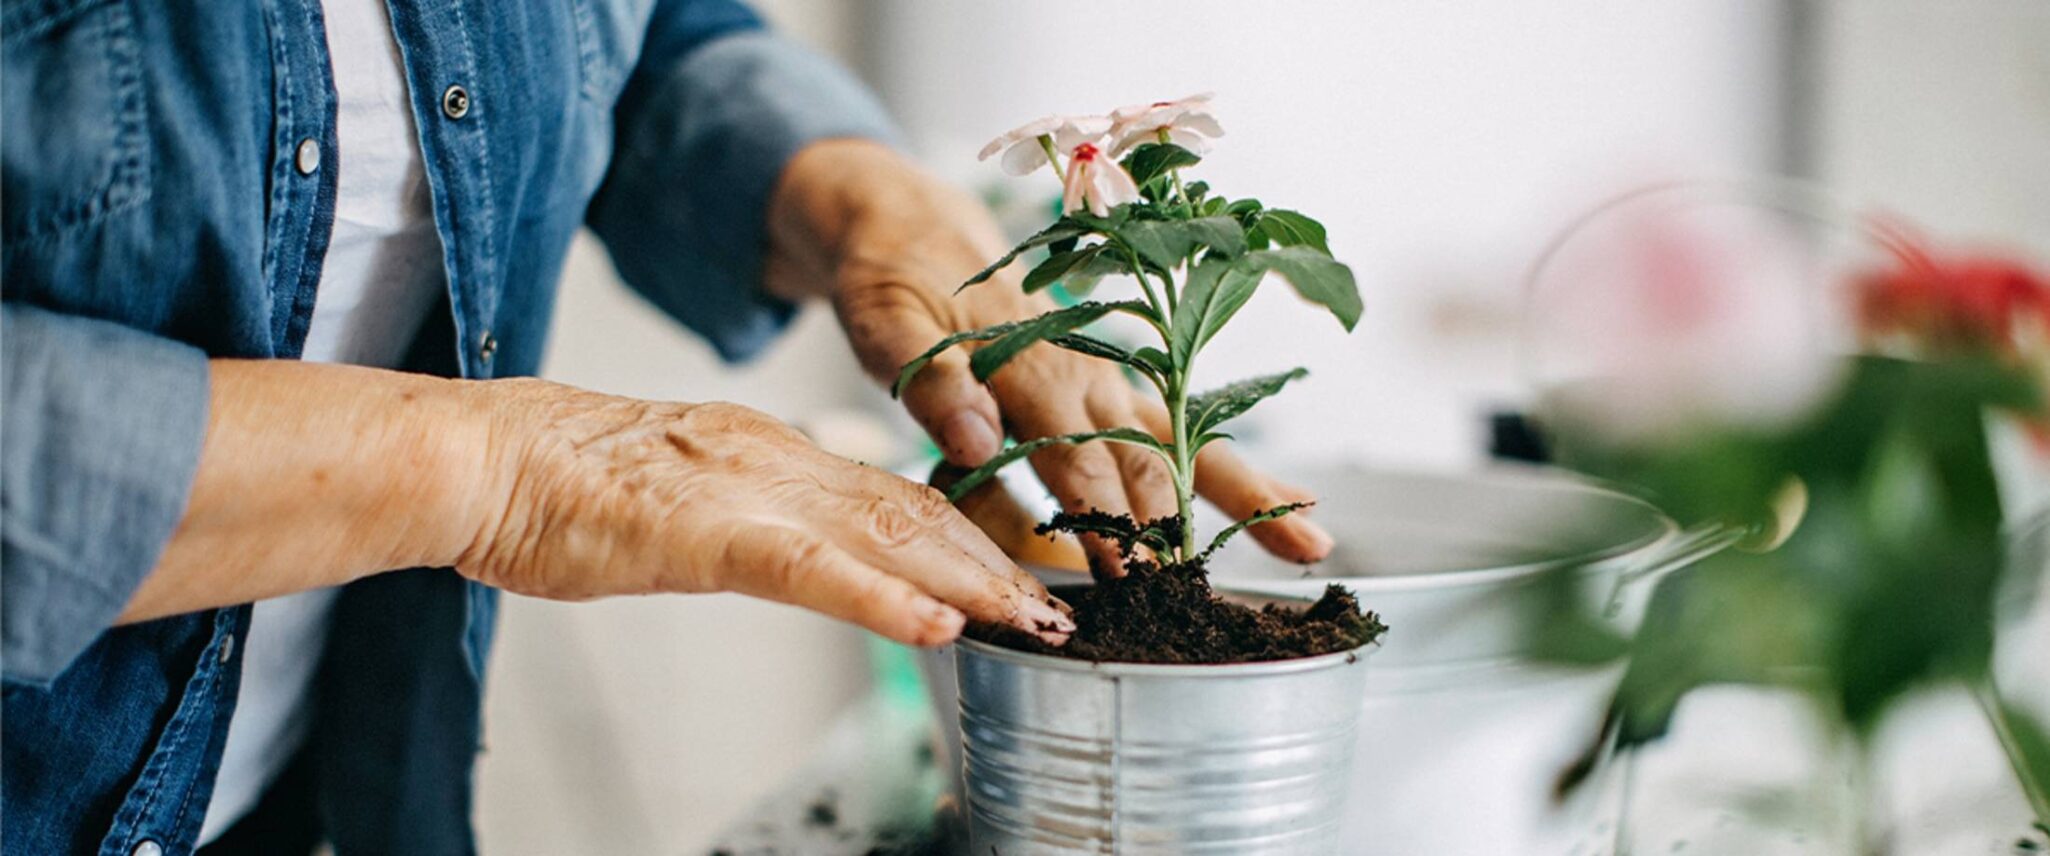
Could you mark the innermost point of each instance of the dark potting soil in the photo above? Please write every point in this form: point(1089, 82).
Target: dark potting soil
point(1169, 614)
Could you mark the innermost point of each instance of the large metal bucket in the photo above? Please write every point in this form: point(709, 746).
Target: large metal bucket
point(1464, 730)
point(1065, 756)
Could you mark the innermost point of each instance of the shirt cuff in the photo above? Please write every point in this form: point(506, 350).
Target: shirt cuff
point(684, 209)
point(99, 441)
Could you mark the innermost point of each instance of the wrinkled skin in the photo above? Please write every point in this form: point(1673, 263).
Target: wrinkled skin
point(607, 496)
point(317, 475)
point(889, 245)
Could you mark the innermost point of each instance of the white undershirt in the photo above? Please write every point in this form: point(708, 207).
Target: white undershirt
point(381, 277)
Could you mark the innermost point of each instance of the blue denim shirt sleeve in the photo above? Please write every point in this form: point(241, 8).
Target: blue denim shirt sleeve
point(100, 437)
point(703, 135)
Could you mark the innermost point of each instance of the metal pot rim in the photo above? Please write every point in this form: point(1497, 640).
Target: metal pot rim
point(1164, 670)
point(1612, 557)
point(1593, 559)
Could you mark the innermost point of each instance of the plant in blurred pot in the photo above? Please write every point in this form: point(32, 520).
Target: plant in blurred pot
point(1197, 257)
point(1888, 581)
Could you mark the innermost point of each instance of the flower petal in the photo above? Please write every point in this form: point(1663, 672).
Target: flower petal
point(1113, 185)
point(1202, 122)
point(1123, 142)
point(1188, 139)
point(1076, 130)
point(1129, 112)
point(1024, 157)
point(1072, 187)
point(1027, 131)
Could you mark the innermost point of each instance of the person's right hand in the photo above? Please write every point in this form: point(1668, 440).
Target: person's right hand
point(604, 495)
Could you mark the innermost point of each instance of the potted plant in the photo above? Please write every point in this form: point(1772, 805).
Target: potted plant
point(1887, 545)
point(1173, 719)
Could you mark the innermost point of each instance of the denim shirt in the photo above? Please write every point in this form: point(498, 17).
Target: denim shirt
point(169, 185)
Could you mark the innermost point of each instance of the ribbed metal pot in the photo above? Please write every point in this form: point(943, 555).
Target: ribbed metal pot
point(1066, 756)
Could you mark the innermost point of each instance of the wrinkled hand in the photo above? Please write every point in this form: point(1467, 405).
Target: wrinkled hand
point(607, 496)
point(890, 245)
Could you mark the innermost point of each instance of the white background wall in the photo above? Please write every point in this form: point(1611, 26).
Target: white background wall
point(1941, 113)
point(1441, 142)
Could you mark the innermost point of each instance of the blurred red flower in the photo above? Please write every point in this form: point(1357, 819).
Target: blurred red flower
point(1957, 302)
point(1951, 301)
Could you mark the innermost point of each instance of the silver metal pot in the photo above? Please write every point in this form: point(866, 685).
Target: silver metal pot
point(1066, 756)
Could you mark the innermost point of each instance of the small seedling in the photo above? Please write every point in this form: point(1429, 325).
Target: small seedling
point(1196, 258)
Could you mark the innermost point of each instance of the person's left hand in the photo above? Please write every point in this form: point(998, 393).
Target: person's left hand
point(889, 245)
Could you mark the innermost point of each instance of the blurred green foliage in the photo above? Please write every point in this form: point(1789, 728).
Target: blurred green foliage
point(1888, 583)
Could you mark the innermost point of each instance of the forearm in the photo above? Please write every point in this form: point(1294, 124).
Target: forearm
point(316, 475)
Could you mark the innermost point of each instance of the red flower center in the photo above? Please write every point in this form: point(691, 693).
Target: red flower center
point(1086, 152)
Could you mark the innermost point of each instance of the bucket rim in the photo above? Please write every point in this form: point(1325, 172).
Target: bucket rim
point(1111, 668)
point(1604, 560)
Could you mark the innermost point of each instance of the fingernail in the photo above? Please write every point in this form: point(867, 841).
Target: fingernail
point(1041, 617)
point(1061, 605)
point(968, 439)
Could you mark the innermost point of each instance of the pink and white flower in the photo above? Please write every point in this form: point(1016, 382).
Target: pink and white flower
point(1025, 147)
point(1095, 180)
point(1186, 122)
point(1662, 322)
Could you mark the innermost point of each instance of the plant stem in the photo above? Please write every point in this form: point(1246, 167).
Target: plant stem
point(1178, 424)
point(1181, 193)
point(1153, 300)
point(1054, 158)
point(2037, 792)
point(1184, 482)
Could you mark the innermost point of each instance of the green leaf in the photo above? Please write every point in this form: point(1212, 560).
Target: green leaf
point(1165, 243)
point(1079, 269)
point(1210, 409)
point(1197, 190)
point(1152, 356)
point(1019, 451)
point(988, 358)
point(1153, 160)
point(1100, 225)
point(1314, 275)
point(1064, 229)
point(1082, 280)
point(1215, 291)
point(1292, 229)
point(1208, 437)
point(1258, 518)
point(2027, 745)
point(1102, 350)
point(1244, 210)
point(911, 369)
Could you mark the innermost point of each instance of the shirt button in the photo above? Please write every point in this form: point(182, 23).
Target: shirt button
point(487, 346)
point(147, 848)
point(455, 102)
point(308, 156)
point(227, 648)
